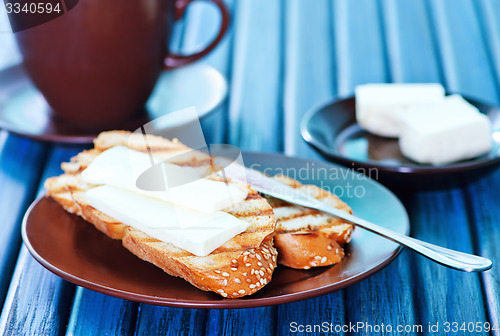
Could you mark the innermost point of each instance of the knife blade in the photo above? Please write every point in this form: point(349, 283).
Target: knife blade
point(266, 185)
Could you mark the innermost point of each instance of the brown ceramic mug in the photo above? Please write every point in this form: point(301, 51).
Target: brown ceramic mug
point(98, 63)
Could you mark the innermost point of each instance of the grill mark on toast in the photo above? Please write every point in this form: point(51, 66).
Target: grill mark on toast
point(252, 196)
point(193, 163)
point(300, 215)
point(259, 213)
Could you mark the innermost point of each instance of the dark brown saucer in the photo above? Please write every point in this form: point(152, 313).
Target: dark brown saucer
point(76, 251)
point(332, 130)
point(24, 111)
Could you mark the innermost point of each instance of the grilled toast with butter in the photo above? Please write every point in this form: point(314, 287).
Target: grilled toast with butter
point(303, 238)
point(239, 267)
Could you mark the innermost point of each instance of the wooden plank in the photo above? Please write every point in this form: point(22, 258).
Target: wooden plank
point(411, 51)
point(444, 295)
point(316, 311)
point(255, 321)
point(20, 164)
point(38, 302)
point(489, 18)
point(360, 44)
point(170, 321)
point(482, 205)
point(202, 22)
point(309, 67)
point(98, 314)
point(384, 298)
point(255, 111)
point(462, 50)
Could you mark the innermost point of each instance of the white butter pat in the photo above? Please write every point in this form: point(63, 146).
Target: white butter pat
point(167, 222)
point(444, 132)
point(121, 167)
point(378, 106)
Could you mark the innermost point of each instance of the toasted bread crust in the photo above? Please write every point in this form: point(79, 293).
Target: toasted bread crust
point(306, 237)
point(247, 272)
point(306, 249)
point(239, 267)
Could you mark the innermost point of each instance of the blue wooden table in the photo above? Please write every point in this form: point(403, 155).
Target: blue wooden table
point(281, 58)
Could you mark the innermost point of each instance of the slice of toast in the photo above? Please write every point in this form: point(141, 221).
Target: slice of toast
point(306, 237)
point(239, 267)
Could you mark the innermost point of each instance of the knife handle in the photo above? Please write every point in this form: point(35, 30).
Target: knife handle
point(444, 256)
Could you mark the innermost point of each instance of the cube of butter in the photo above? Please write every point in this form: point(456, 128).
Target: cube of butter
point(444, 132)
point(378, 105)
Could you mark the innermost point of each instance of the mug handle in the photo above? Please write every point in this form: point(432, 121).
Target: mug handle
point(177, 60)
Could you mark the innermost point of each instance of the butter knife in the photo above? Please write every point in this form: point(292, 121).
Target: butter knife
point(265, 185)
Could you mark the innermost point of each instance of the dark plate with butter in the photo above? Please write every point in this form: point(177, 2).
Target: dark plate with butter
point(332, 130)
point(75, 250)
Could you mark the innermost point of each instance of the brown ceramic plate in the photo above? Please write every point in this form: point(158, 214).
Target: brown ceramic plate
point(332, 130)
point(76, 251)
point(24, 111)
